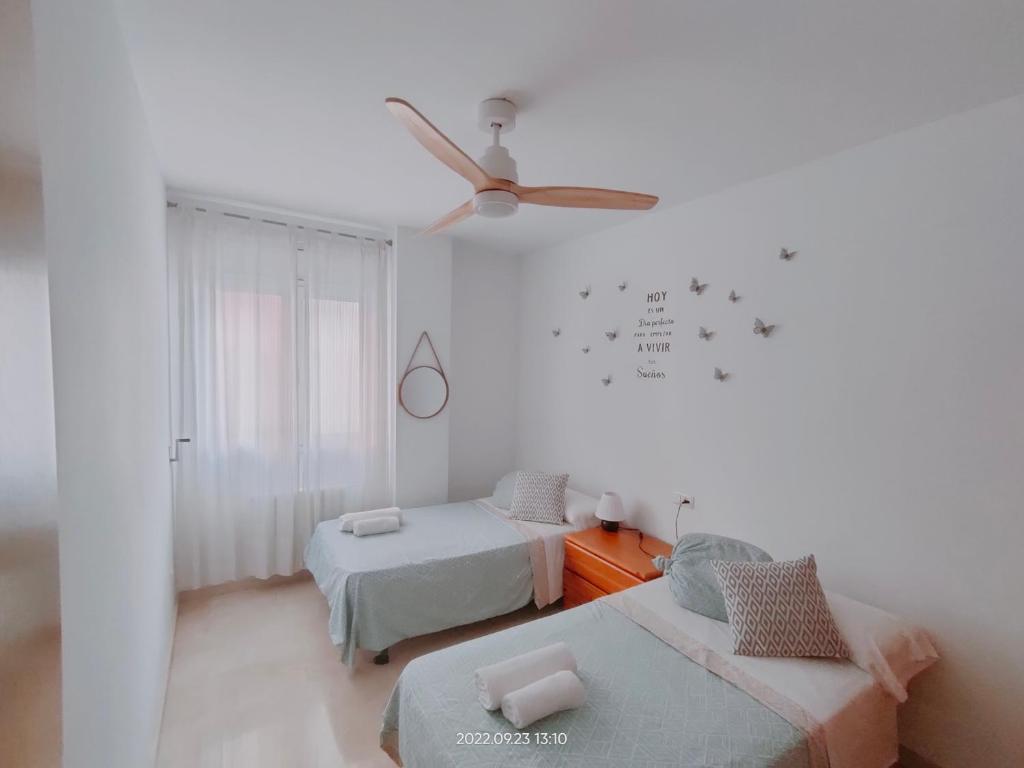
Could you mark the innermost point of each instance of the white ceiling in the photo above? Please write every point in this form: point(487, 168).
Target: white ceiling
point(282, 103)
point(18, 144)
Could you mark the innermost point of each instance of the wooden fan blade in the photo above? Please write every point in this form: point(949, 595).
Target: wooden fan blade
point(439, 145)
point(585, 197)
point(464, 211)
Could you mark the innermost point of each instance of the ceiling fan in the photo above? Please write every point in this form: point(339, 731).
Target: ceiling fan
point(496, 188)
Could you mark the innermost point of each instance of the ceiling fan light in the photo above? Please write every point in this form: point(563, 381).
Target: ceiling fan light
point(495, 203)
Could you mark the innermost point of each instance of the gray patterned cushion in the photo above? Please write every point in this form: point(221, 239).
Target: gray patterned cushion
point(693, 583)
point(539, 497)
point(778, 609)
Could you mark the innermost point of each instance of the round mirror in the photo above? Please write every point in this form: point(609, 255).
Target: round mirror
point(423, 392)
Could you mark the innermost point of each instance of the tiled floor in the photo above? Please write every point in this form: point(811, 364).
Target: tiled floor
point(255, 683)
point(30, 702)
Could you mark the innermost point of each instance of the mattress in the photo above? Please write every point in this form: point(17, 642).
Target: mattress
point(663, 689)
point(647, 706)
point(448, 565)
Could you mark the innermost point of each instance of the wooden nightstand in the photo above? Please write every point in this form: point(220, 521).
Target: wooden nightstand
point(598, 563)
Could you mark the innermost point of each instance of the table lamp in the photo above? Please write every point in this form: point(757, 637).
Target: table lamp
point(609, 511)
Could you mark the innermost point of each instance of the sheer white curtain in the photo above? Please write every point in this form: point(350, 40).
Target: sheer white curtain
point(282, 384)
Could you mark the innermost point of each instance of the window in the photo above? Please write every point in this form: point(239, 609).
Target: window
point(282, 382)
point(252, 373)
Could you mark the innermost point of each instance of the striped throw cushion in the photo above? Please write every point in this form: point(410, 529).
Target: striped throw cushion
point(778, 609)
point(539, 498)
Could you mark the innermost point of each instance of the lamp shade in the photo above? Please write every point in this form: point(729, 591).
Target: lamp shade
point(610, 511)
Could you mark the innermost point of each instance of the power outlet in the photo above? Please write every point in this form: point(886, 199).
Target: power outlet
point(684, 499)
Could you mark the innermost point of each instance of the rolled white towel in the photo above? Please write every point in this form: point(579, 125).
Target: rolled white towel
point(371, 525)
point(494, 681)
point(562, 690)
point(346, 520)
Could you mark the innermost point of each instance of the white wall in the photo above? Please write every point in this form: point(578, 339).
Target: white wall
point(29, 583)
point(881, 426)
point(104, 212)
point(484, 373)
point(423, 299)
point(467, 297)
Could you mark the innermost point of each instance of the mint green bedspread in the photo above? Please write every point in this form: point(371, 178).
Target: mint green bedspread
point(648, 706)
point(448, 565)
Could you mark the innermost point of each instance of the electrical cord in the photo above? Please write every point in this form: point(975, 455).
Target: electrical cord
point(640, 541)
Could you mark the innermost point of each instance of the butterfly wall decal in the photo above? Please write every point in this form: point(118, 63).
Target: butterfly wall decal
point(556, 332)
point(733, 297)
point(786, 255)
point(622, 285)
point(696, 286)
point(585, 350)
point(585, 292)
point(720, 375)
point(607, 380)
point(761, 329)
point(611, 335)
point(704, 334)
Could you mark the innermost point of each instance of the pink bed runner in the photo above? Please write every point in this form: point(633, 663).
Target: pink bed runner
point(546, 544)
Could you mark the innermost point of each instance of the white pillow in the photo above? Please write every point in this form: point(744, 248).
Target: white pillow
point(580, 509)
point(502, 496)
point(890, 649)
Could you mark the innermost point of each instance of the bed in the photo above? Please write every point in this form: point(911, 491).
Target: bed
point(448, 565)
point(663, 689)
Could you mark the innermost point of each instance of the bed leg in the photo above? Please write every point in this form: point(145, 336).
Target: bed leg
point(382, 657)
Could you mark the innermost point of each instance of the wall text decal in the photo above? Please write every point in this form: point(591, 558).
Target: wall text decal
point(653, 337)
